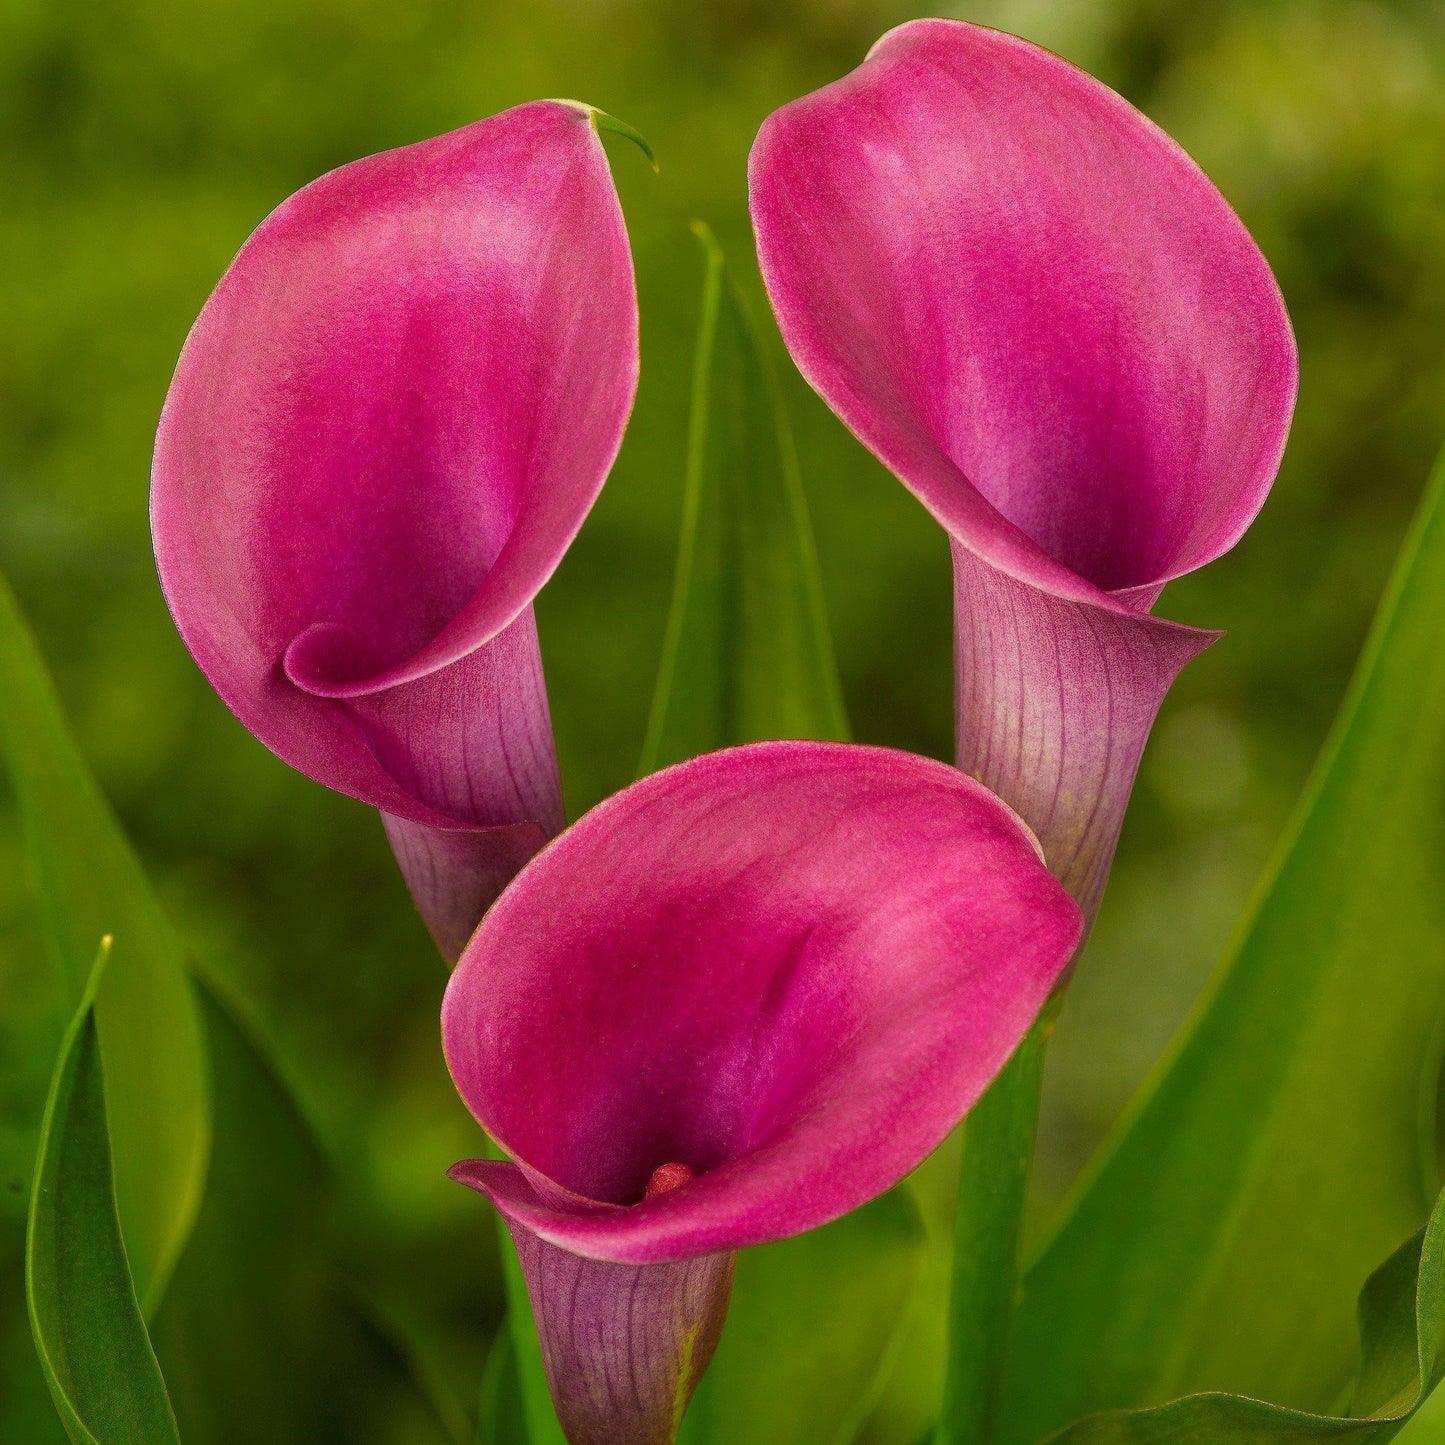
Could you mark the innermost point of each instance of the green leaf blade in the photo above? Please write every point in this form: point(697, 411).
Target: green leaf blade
point(85, 1316)
point(266, 1334)
point(812, 1327)
point(89, 884)
point(1276, 1155)
point(501, 1419)
point(1402, 1329)
point(747, 654)
point(244, 1305)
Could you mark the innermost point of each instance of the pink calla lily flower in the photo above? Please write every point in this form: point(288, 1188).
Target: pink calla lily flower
point(1041, 316)
point(732, 1003)
point(384, 430)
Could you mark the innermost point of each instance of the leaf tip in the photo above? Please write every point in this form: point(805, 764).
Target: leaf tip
point(602, 121)
point(706, 239)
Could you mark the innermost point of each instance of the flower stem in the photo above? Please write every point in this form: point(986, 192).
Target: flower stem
point(998, 1147)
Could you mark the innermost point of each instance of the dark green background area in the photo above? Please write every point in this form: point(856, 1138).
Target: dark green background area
point(139, 144)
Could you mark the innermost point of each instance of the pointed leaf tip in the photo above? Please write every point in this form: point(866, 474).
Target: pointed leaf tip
point(747, 654)
point(709, 242)
point(97, 970)
point(88, 882)
point(85, 1318)
point(602, 121)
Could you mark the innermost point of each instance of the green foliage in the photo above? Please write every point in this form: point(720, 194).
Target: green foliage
point(1278, 1153)
point(998, 1150)
point(88, 1326)
point(849, 1284)
point(747, 655)
point(501, 1419)
point(253, 1297)
point(255, 1340)
point(1402, 1331)
point(89, 884)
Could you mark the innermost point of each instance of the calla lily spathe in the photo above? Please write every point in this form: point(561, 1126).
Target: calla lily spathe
point(732, 1003)
point(1039, 313)
point(387, 425)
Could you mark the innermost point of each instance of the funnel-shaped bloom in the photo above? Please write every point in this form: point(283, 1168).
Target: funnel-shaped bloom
point(1037, 312)
point(737, 1000)
point(385, 429)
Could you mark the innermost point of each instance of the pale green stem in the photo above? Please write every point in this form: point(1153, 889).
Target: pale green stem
point(998, 1147)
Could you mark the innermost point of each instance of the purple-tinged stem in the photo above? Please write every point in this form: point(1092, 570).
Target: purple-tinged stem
point(1054, 702)
point(624, 1345)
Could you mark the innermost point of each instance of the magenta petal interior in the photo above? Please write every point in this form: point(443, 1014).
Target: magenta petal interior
point(390, 420)
point(1030, 303)
point(790, 967)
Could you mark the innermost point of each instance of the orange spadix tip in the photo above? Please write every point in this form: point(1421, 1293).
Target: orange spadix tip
point(669, 1176)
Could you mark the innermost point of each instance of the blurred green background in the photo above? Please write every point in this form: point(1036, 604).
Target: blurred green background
point(139, 144)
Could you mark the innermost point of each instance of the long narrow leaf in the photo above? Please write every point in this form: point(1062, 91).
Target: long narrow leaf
point(747, 654)
point(87, 1322)
point(90, 884)
point(254, 1342)
point(1276, 1156)
point(500, 1419)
